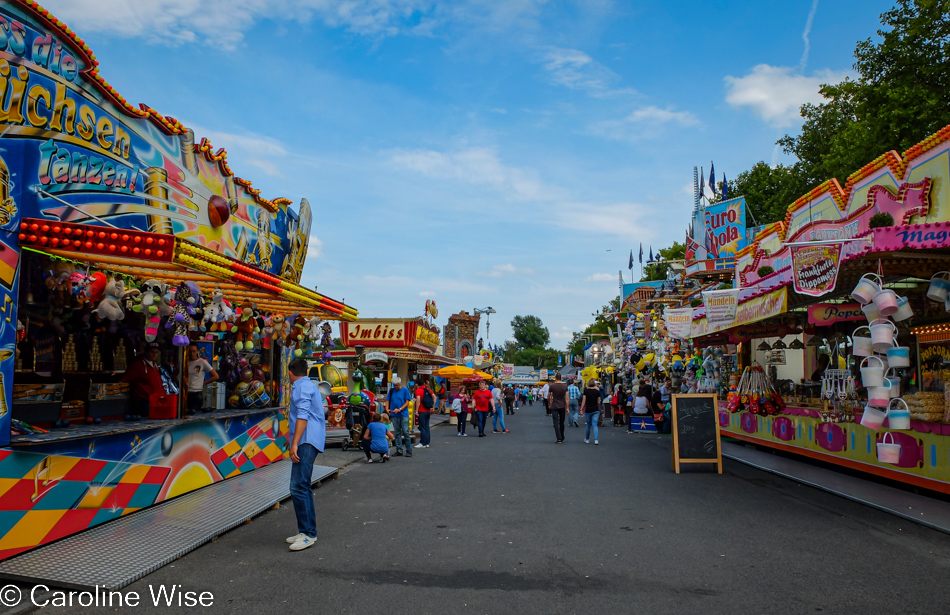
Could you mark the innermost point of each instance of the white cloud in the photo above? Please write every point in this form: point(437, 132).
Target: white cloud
point(775, 93)
point(426, 293)
point(578, 71)
point(477, 166)
point(601, 277)
point(314, 247)
point(643, 123)
point(500, 111)
point(223, 23)
point(251, 142)
point(267, 166)
point(805, 33)
point(502, 270)
point(633, 221)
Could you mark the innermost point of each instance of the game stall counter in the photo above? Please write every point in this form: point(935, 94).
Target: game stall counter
point(117, 230)
point(866, 265)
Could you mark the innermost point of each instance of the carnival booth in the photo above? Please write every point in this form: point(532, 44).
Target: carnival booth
point(119, 234)
point(853, 283)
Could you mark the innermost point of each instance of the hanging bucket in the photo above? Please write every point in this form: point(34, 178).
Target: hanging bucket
point(868, 286)
point(872, 418)
point(882, 334)
point(898, 356)
point(895, 383)
point(871, 311)
point(886, 301)
point(880, 396)
point(897, 417)
point(872, 376)
point(888, 452)
point(904, 310)
point(862, 345)
point(939, 286)
point(883, 358)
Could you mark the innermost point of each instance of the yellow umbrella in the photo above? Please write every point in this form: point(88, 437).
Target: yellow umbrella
point(454, 371)
point(483, 375)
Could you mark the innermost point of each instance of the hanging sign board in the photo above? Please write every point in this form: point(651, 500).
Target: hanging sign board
point(721, 305)
point(815, 268)
point(679, 322)
point(507, 370)
point(696, 430)
point(375, 357)
point(828, 313)
point(776, 357)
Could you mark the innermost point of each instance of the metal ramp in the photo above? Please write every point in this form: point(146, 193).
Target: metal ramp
point(116, 553)
point(927, 511)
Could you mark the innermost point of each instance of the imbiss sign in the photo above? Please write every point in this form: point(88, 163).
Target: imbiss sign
point(384, 333)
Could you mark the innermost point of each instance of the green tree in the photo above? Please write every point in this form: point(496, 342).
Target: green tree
point(661, 271)
point(529, 332)
point(768, 191)
point(901, 94)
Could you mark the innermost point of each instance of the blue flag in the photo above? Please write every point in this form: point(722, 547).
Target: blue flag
point(641, 253)
point(630, 264)
point(651, 255)
point(702, 183)
point(725, 187)
point(712, 178)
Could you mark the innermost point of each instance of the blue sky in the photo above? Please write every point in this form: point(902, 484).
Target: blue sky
point(480, 152)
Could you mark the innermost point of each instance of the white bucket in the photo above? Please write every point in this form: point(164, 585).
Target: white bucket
point(888, 452)
point(871, 311)
point(898, 356)
point(883, 358)
point(882, 334)
point(862, 345)
point(939, 286)
point(868, 286)
point(872, 418)
point(904, 311)
point(880, 397)
point(872, 376)
point(898, 418)
point(895, 383)
point(886, 301)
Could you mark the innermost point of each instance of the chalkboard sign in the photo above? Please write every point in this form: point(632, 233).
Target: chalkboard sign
point(696, 430)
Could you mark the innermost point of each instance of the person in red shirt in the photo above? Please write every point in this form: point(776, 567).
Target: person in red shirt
point(425, 403)
point(484, 404)
point(144, 380)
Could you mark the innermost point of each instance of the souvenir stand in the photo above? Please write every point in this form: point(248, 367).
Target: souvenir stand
point(862, 270)
point(118, 230)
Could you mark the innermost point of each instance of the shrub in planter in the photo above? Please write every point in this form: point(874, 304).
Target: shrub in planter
point(696, 302)
point(765, 270)
point(881, 220)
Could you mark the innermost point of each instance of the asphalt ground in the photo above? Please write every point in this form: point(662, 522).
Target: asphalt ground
point(514, 523)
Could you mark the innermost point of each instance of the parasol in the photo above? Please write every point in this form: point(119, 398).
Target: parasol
point(454, 372)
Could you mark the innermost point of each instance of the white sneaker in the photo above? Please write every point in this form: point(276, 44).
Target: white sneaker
point(464, 435)
point(302, 543)
point(586, 441)
point(427, 446)
point(596, 442)
point(419, 446)
point(292, 539)
point(459, 434)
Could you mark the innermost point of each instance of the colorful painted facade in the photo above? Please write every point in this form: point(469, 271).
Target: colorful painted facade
point(72, 149)
point(48, 491)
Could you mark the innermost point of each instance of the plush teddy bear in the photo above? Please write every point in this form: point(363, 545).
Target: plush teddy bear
point(281, 327)
point(180, 318)
point(245, 327)
point(155, 305)
point(297, 333)
point(217, 313)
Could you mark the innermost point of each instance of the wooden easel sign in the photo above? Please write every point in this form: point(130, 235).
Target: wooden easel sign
point(696, 430)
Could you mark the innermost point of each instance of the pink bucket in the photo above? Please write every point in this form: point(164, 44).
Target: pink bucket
point(882, 334)
point(880, 396)
point(868, 286)
point(886, 302)
point(872, 418)
point(888, 452)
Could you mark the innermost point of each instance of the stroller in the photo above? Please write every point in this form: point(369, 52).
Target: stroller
point(359, 412)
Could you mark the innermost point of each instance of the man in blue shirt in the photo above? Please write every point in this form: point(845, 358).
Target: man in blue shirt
point(397, 403)
point(308, 434)
point(574, 398)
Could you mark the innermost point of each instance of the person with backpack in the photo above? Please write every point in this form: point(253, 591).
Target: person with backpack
point(425, 403)
point(397, 405)
point(510, 400)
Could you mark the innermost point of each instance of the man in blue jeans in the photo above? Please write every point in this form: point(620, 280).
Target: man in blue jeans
point(397, 404)
point(425, 402)
point(308, 434)
point(574, 399)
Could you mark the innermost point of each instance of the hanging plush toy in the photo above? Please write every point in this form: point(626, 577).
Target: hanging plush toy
point(312, 333)
point(297, 335)
point(109, 307)
point(281, 327)
point(154, 305)
point(196, 302)
point(244, 327)
point(216, 313)
point(180, 318)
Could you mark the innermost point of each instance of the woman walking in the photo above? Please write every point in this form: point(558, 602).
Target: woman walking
point(463, 400)
point(616, 407)
point(590, 405)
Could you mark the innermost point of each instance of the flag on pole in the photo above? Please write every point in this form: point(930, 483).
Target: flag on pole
point(725, 187)
point(641, 252)
point(702, 183)
point(712, 178)
point(651, 255)
point(630, 264)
